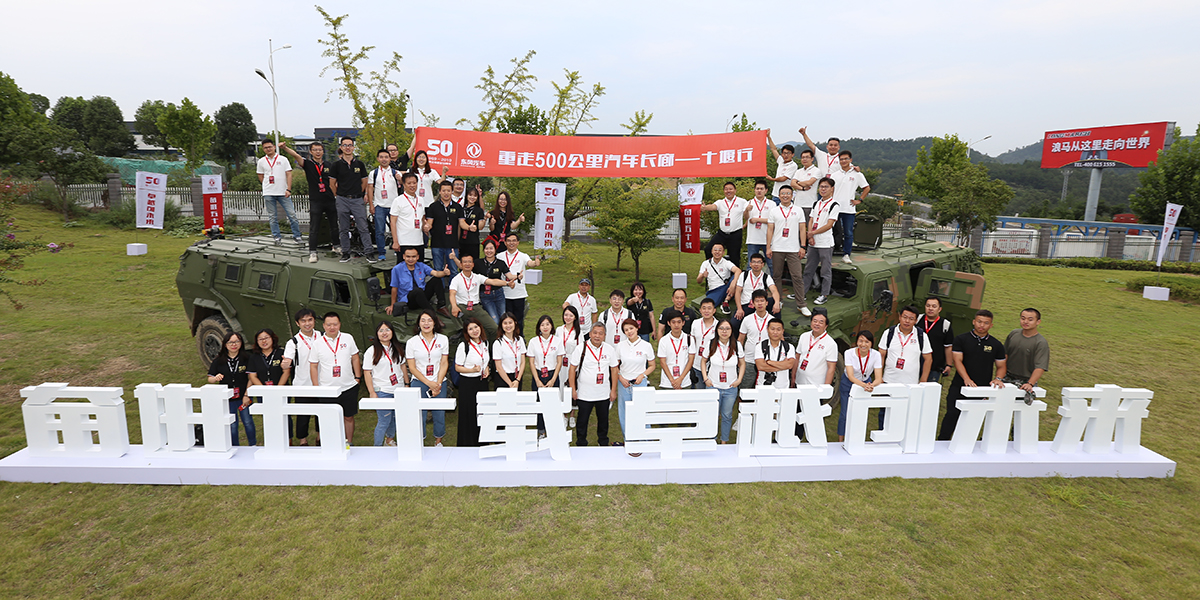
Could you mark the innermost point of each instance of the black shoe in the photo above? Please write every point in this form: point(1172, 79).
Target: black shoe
point(345, 258)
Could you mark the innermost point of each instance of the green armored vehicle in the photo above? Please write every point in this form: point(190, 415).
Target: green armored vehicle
point(246, 284)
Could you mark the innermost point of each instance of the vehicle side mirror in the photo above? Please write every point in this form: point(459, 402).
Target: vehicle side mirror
point(373, 291)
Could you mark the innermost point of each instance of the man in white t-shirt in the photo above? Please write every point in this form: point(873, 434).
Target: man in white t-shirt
point(804, 183)
point(515, 295)
point(296, 353)
point(703, 330)
point(906, 351)
point(731, 218)
point(593, 378)
point(585, 304)
point(820, 240)
point(676, 352)
point(406, 215)
point(775, 359)
point(817, 354)
point(848, 181)
point(785, 168)
point(757, 213)
point(755, 278)
point(275, 175)
point(826, 160)
point(383, 188)
point(614, 316)
point(786, 238)
point(718, 273)
point(752, 331)
point(335, 361)
point(464, 294)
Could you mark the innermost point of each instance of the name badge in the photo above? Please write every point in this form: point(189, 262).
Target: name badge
point(321, 187)
point(237, 393)
point(728, 222)
point(723, 377)
point(487, 289)
point(565, 363)
point(337, 371)
point(449, 230)
point(675, 371)
point(470, 305)
point(785, 232)
point(429, 370)
point(600, 378)
point(899, 363)
point(421, 192)
point(416, 223)
point(545, 373)
point(395, 380)
point(804, 365)
point(271, 179)
point(385, 194)
point(758, 225)
point(269, 382)
point(617, 339)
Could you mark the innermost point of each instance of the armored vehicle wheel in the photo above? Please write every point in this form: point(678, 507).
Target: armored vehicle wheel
point(208, 338)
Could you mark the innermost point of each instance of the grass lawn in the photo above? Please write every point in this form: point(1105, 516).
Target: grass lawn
point(102, 318)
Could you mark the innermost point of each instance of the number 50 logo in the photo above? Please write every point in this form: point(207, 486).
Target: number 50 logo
point(441, 147)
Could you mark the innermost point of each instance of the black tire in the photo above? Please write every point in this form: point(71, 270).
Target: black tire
point(209, 335)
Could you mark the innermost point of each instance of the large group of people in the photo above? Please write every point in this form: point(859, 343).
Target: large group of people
point(600, 352)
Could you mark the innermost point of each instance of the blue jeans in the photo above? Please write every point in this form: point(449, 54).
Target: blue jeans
point(727, 397)
point(247, 422)
point(493, 303)
point(847, 220)
point(751, 249)
point(272, 204)
point(625, 394)
point(439, 416)
point(644, 336)
point(697, 379)
point(718, 293)
point(441, 259)
point(386, 427)
point(382, 216)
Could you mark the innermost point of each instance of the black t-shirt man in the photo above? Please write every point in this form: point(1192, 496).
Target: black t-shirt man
point(941, 334)
point(689, 315)
point(317, 175)
point(349, 177)
point(444, 233)
point(979, 357)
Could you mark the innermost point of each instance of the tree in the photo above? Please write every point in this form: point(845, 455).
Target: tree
point(40, 103)
point(146, 121)
point(639, 123)
point(188, 129)
point(104, 129)
point(1173, 177)
point(59, 153)
point(68, 113)
point(961, 191)
point(16, 113)
point(573, 105)
point(235, 132)
point(633, 219)
point(501, 98)
point(527, 120)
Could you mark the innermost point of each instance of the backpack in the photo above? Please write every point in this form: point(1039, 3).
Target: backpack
point(375, 173)
point(920, 335)
point(784, 348)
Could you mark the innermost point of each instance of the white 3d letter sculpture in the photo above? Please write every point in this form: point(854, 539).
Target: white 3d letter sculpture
point(693, 413)
point(1113, 410)
point(510, 417)
point(168, 421)
point(276, 411)
point(410, 427)
point(47, 422)
point(995, 415)
point(768, 411)
point(909, 426)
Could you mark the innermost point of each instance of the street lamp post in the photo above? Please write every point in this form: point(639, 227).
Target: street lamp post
point(969, 146)
point(271, 82)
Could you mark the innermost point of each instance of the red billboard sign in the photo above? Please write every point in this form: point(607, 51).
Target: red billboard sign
point(1104, 147)
point(476, 153)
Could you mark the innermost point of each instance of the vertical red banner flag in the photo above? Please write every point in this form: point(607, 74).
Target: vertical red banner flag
point(214, 201)
point(690, 195)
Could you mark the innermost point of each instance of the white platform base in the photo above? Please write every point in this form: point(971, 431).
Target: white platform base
point(372, 466)
point(1151, 292)
point(135, 249)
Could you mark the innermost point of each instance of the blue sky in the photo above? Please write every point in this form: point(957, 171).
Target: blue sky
point(1008, 69)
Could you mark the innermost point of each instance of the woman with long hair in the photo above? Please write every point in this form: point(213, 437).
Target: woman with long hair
point(723, 365)
point(508, 352)
point(474, 216)
point(568, 334)
point(501, 219)
point(471, 362)
point(385, 371)
point(428, 356)
point(544, 352)
point(427, 178)
point(231, 367)
point(642, 309)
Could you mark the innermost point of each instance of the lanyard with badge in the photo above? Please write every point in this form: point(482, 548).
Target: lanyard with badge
point(786, 215)
point(903, 343)
point(599, 364)
point(863, 361)
point(468, 283)
point(615, 318)
point(566, 336)
point(545, 371)
point(729, 209)
point(337, 370)
point(480, 351)
point(758, 209)
point(271, 168)
point(723, 351)
point(804, 363)
point(677, 348)
point(429, 354)
point(234, 364)
point(388, 355)
point(413, 203)
point(320, 169)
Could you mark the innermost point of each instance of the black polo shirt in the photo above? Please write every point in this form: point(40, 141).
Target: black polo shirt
point(349, 177)
point(445, 224)
point(317, 175)
point(940, 334)
point(979, 357)
point(235, 371)
point(268, 369)
point(689, 315)
point(470, 239)
point(496, 269)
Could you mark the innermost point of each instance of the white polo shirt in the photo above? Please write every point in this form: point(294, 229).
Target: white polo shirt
point(388, 374)
point(333, 358)
point(386, 187)
point(847, 185)
point(730, 213)
point(612, 324)
point(676, 350)
point(568, 343)
point(471, 354)
point(274, 171)
point(592, 375)
point(756, 233)
point(787, 221)
point(585, 305)
point(426, 355)
point(806, 198)
point(861, 367)
point(814, 356)
point(509, 352)
point(425, 191)
point(778, 353)
point(755, 328)
point(723, 364)
point(703, 334)
point(545, 353)
point(516, 265)
point(908, 348)
point(783, 169)
point(821, 214)
point(408, 212)
point(825, 162)
point(299, 348)
point(750, 282)
point(718, 272)
point(466, 289)
point(635, 357)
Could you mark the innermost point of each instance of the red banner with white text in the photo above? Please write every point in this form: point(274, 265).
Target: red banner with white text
point(1105, 147)
point(480, 153)
point(689, 228)
point(214, 201)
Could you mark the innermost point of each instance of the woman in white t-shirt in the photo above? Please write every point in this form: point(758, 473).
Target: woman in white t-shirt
point(427, 178)
point(508, 353)
point(864, 368)
point(723, 363)
point(385, 370)
point(545, 352)
point(568, 335)
point(471, 360)
point(428, 355)
point(636, 358)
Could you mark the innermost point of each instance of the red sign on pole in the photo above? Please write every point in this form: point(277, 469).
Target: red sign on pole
point(689, 228)
point(1105, 147)
point(214, 202)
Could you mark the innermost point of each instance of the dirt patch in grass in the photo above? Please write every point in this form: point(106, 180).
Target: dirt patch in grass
point(107, 373)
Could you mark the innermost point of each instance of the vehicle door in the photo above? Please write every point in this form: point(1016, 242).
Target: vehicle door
point(264, 287)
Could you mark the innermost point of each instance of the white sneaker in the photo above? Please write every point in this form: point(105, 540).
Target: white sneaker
point(572, 423)
point(437, 445)
point(804, 311)
point(820, 300)
point(846, 259)
point(312, 257)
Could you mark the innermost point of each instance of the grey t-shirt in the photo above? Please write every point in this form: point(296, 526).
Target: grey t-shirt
point(1026, 354)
